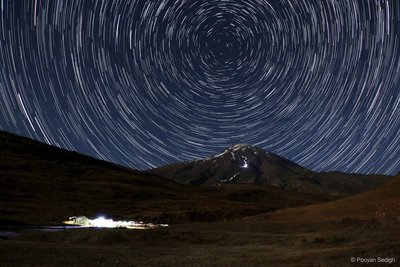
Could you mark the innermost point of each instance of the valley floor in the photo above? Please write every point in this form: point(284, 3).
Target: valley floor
point(237, 243)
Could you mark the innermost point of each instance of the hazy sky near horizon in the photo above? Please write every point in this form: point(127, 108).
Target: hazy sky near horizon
point(147, 83)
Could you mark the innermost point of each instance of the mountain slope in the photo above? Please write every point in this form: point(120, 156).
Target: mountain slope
point(44, 183)
point(244, 163)
point(379, 205)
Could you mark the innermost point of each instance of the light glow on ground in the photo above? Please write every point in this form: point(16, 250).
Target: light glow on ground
point(102, 222)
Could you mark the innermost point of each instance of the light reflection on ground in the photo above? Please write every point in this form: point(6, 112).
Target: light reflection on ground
point(102, 222)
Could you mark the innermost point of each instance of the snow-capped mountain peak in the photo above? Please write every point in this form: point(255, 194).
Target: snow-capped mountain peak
point(241, 153)
point(244, 163)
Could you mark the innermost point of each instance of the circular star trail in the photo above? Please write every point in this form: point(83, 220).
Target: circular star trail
point(146, 83)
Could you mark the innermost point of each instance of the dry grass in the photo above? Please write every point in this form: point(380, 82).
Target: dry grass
point(208, 244)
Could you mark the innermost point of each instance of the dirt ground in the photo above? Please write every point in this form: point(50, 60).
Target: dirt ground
point(237, 243)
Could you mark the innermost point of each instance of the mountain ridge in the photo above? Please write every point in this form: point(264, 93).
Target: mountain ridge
point(244, 163)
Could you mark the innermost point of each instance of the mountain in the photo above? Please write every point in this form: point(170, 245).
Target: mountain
point(243, 163)
point(40, 183)
point(240, 163)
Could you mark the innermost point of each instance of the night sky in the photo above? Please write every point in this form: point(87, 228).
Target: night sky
point(147, 83)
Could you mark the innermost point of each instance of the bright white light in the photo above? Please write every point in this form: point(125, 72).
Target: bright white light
point(245, 164)
point(102, 222)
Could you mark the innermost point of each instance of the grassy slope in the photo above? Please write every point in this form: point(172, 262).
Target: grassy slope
point(380, 205)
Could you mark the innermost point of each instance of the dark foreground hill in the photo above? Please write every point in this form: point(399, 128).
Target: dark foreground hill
point(244, 163)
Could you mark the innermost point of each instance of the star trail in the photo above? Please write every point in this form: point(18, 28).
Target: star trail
point(147, 83)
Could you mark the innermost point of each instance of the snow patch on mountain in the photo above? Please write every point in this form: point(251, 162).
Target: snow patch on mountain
point(225, 181)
